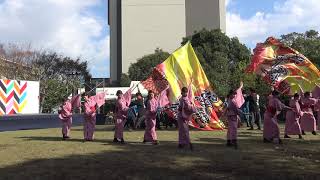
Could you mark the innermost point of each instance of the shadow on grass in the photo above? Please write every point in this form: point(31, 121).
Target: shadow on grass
point(111, 128)
point(45, 138)
point(248, 136)
point(251, 132)
point(104, 128)
point(209, 160)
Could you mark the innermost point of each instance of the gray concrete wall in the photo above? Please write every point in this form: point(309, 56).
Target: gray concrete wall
point(222, 12)
point(151, 24)
point(138, 27)
point(34, 121)
point(115, 33)
point(208, 14)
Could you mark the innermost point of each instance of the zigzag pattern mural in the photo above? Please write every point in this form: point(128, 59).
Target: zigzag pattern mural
point(12, 96)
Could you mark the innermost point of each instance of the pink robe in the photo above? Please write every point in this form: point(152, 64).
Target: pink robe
point(308, 122)
point(232, 115)
point(317, 108)
point(66, 118)
point(150, 134)
point(184, 116)
point(121, 115)
point(270, 125)
point(318, 118)
point(89, 120)
point(292, 126)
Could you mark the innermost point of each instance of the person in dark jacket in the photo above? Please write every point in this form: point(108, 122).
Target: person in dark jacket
point(254, 110)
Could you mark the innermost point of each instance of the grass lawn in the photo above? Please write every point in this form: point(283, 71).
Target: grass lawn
point(41, 154)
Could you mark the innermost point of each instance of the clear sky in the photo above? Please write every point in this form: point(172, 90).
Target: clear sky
point(78, 28)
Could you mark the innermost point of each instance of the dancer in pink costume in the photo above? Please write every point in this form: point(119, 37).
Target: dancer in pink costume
point(308, 121)
point(271, 129)
point(65, 115)
point(292, 126)
point(185, 111)
point(232, 113)
point(121, 115)
point(89, 118)
point(150, 134)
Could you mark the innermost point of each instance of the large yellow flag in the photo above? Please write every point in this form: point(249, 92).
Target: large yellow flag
point(183, 68)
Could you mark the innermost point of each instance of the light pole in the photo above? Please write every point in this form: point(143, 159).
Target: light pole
point(73, 74)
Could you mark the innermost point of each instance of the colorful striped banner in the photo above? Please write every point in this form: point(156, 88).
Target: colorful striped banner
point(12, 96)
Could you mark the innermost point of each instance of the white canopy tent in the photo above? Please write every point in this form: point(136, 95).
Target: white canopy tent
point(111, 91)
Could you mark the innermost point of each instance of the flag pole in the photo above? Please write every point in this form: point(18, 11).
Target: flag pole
point(135, 86)
point(94, 87)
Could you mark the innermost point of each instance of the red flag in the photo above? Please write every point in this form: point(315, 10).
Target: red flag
point(155, 82)
point(76, 101)
point(100, 98)
point(163, 98)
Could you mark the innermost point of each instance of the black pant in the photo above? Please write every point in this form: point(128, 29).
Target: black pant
point(256, 118)
point(129, 123)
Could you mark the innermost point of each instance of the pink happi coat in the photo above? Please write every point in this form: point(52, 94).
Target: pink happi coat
point(232, 115)
point(89, 118)
point(270, 124)
point(65, 115)
point(121, 115)
point(150, 134)
point(292, 126)
point(308, 122)
point(186, 109)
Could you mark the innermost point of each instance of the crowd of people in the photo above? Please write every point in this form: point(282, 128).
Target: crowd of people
point(299, 116)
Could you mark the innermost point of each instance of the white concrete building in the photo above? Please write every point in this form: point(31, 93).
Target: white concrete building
point(138, 27)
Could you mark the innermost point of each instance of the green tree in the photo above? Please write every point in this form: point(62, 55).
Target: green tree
point(59, 77)
point(143, 67)
point(307, 43)
point(55, 92)
point(125, 80)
